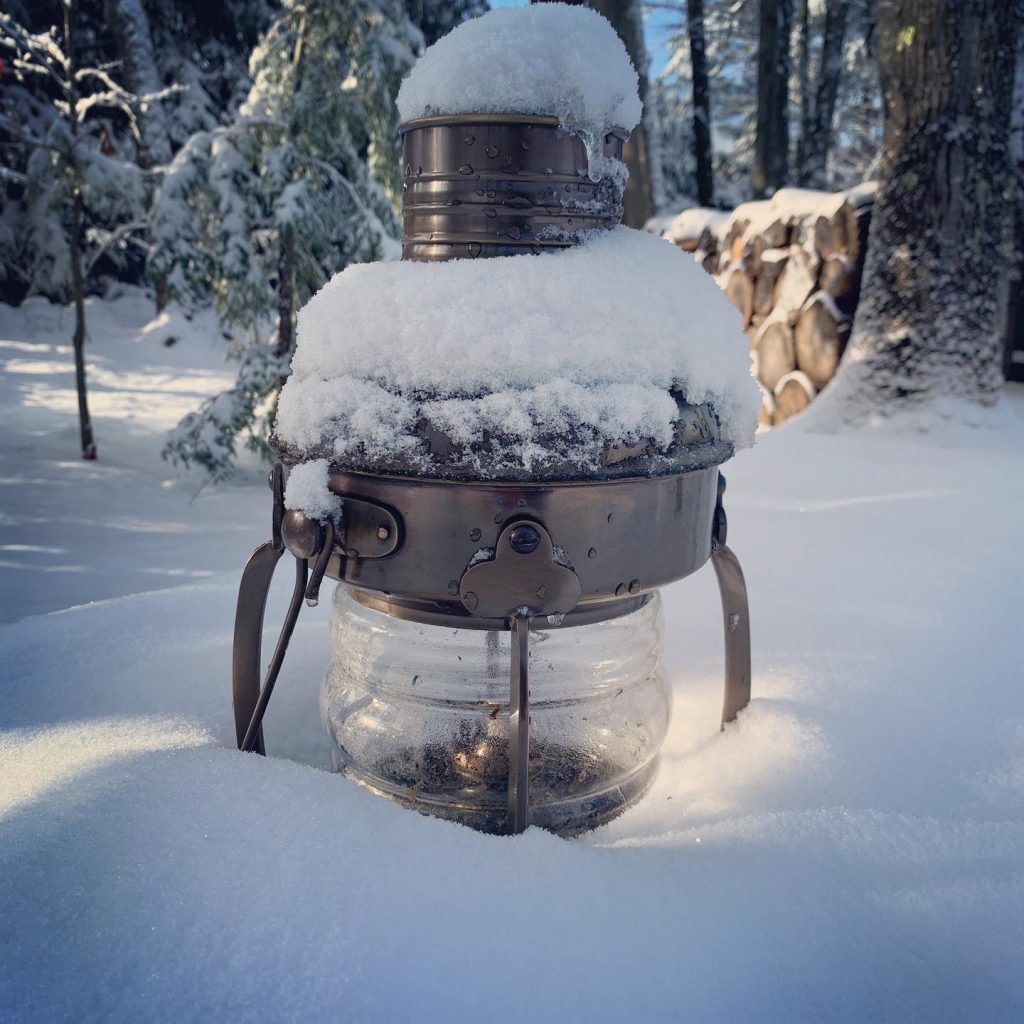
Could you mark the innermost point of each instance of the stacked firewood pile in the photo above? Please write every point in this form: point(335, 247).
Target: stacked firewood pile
point(792, 266)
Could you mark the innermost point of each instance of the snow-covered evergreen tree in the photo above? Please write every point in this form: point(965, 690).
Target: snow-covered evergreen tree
point(301, 182)
point(82, 195)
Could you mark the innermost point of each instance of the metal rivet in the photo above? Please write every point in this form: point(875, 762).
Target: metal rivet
point(634, 586)
point(620, 590)
point(383, 533)
point(524, 539)
point(592, 553)
point(471, 600)
point(453, 587)
point(474, 534)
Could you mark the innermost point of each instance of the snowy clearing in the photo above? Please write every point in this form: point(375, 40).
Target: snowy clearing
point(852, 849)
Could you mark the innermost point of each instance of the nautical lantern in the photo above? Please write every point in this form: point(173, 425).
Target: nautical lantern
point(498, 526)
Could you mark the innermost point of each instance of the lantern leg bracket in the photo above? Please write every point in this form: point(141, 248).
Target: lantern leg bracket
point(518, 818)
point(735, 615)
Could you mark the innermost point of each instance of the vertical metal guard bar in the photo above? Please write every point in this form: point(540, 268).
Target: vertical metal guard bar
point(737, 632)
point(519, 728)
point(735, 615)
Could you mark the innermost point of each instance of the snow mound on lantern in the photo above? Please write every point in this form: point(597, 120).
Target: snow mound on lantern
point(550, 59)
point(581, 349)
point(307, 491)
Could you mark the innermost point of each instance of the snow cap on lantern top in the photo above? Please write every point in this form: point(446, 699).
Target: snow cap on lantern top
point(548, 59)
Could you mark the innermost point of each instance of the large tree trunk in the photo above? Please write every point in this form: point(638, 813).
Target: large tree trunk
point(771, 144)
point(803, 78)
point(638, 201)
point(701, 103)
point(928, 320)
point(75, 242)
point(818, 138)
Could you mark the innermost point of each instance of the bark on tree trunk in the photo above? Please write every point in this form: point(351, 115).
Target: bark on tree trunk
point(818, 139)
point(701, 103)
point(75, 243)
point(928, 320)
point(78, 288)
point(803, 78)
point(771, 143)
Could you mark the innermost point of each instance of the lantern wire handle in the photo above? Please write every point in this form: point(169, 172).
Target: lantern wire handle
point(519, 726)
point(273, 670)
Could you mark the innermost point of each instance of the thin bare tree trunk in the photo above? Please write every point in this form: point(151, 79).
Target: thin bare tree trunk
point(771, 144)
point(701, 103)
point(285, 341)
point(818, 139)
point(77, 233)
point(928, 321)
point(803, 77)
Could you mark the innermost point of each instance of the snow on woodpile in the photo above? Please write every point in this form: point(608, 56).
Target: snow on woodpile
point(559, 355)
point(549, 59)
point(770, 257)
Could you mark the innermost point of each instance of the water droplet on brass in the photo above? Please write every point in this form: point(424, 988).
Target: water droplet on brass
point(491, 151)
point(592, 553)
point(470, 139)
point(524, 144)
point(474, 249)
point(419, 172)
point(620, 590)
point(453, 587)
point(514, 232)
point(474, 534)
point(634, 586)
point(611, 516)
point(408, 169)
point(466, 169)
point(490, 212)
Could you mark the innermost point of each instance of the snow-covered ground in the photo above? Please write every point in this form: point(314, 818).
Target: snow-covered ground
point(77, 531)
point(852, 849)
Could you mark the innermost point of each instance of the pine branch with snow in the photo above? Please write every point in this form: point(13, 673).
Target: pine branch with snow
point(301, 182)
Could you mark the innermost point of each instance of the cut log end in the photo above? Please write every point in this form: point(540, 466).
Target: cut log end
point(776, 355)
point(793, 393)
